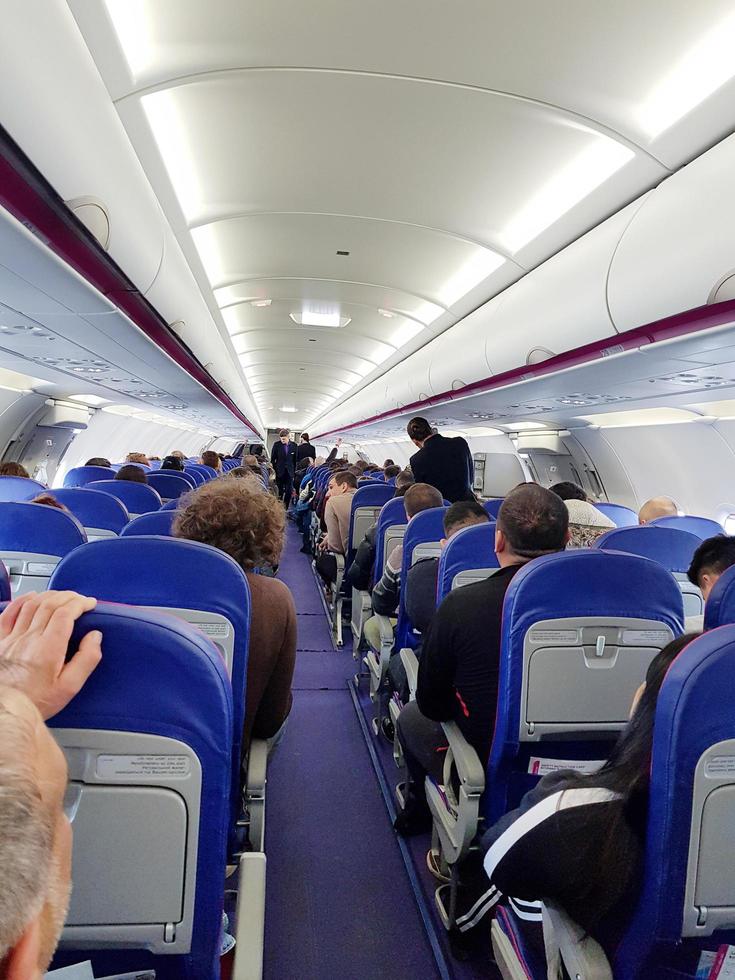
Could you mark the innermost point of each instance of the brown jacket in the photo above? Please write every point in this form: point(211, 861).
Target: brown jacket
point(271, 657)
point(337, 519)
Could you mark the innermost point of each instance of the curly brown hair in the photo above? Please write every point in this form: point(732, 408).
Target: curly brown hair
point(13, 469)
point(237, 517)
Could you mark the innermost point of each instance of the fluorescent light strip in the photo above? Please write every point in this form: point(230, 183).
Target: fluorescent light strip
point(172, 139)
point(130, 20)
point(703, 70)
point(474, 271)
point(572, 184)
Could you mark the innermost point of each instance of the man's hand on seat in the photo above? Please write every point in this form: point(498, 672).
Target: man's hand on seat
point(34, 636)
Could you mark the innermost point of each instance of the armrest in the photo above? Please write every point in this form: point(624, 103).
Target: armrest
point(464, 759)
point(386, 638)
point(411, 666)
point(581, 954)
point(257, 767)
point(250, 914)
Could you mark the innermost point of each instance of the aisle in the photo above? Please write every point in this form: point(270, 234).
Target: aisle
point(338, 904)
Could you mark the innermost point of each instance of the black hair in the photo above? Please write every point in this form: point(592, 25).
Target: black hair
point(172, 463)
point(304, 436)
point(388, 462)
point(419, 429)
point(464, 512)
point(715, 554)
point(534, 521)
point(568, 491)
point(132, 473)
point(97, 461)
point(391, 470)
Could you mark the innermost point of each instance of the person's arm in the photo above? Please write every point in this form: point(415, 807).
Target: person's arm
point(333, 454)
point(34, 637)
point(275, 704)
point(435, 694)
point(417, 468)
point(273, 453)
point(386, 592)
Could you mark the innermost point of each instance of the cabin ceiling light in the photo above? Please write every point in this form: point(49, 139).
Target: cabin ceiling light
point(570, 185)
point(130, 20)
point(316, 318)
point(482, 263)
point(172, 139)
point(287, 408)
point(260, 302)
point(386, 313)
point(522, 426)
point(704, 69)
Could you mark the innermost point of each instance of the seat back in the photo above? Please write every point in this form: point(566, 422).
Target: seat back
point(703, 527)
point(424, 533)
point(720, 608)
point(206, 472)
point(100, 514)
point(391, 528)
point(169, 505)
point(33, 537)
point(594, 618)
point(15, 488)
point(195, 474)
point(169, 485)
point(468, 557)
point(493, 507)
point(5, 592)
point(137, 497)
point(365, 509)
point(199, 584)
point(688, 896)
point(669, 546)
point(182, 475)
point(159, 522)
point(80, 476)
point(620, 516)
point(148, 741)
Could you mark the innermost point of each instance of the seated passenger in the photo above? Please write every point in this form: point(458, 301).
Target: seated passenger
point(172, 463)
point(49, 501)
point(257, 452)
point(586, 522)
point(132, 473)
point(97, 461)
point(210, 458)
point(388, 462)
point(458, 671)
point(14, 469)
point(713, 557)
point(391, 472)
point(234, 516)
point(586, 853)
point(138, 458)
point(657, 507)
point(35, 834)
point(178, 454)
point(340, 491)
point(404, 480)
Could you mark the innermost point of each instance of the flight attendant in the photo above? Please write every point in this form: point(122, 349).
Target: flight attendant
point(283, 460)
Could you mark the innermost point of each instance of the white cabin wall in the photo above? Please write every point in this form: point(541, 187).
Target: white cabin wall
point(114, 436)
point(692, 462)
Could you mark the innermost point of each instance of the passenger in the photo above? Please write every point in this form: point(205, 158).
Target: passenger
point(458, 672)
point(586, 852)
point(257, 451)
point(404, 480)
point(138, 458)
point(251, 463)
point(14, 469)
point(132, 473)
point(154, 459)
point(248, 525)
point(283, 461)
point(172, 463)
point(657, 507)
point(388, 462)
point(209, 458)
point(178, 454)
point(49, 501)
point(304, 450)
point(586, 522)
point(340, 490)
point(35, 834)
point(386, 591)
point(391, 472)
point(446, 464)
point(713, 557)
point(247, 473)
point(97, 461)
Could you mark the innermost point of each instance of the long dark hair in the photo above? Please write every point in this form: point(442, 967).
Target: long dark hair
point(627, 772)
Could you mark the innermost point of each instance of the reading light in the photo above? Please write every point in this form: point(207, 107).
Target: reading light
point(703, 70)
point(312, 318)
point(570, 185)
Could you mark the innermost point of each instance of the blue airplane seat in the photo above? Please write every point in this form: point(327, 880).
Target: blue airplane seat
point(194, 473)
point(18, 488)
point(620, 516)
point(159, 522)
point(101, 514)
point(182, 475)
point(703, 527)
point(148, 745)
point(5, 592)
point(137, 497)
point(493, 506)
point(141, 466)
point(170, 505)
point(468, 557)
point(80, 476)
point(170, 486)
point(201, 584)
point(720, 608)
point(33, 537)
point(366, 505)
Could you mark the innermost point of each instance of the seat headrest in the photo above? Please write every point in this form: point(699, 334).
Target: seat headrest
point(427, 525)
point(94, 508)
point(719, 609)
point(80, 476)
point(159, 522)
point(669, 546)
point(472, 547)
point(15, 488)
point(38, 529)
point(374, 495)
point(137, 497)
point(703, 527)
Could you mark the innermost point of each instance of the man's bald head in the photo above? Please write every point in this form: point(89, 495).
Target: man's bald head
point(657, 507)
point(35, 839)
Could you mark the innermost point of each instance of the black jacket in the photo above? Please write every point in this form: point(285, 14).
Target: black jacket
point(447, 465)
point(359, 574)
point(283, 462)
point(305, 450)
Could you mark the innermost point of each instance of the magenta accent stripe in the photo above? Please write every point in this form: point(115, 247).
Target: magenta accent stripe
point(691, 321)
point(29, 197)
point(505, 922)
